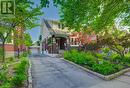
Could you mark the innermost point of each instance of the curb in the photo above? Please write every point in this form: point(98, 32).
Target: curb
point(107, 78)
point(29, 75)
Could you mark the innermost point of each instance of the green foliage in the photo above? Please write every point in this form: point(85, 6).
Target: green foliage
point(27, 39)
point(106, 68)
point(3, 77)
point(24, 54)
point(106, 50)
point(96, 61)
point(116, 58)
point(10, 59)
point(6, 85)
point(26, 16)
point(100, 55)
point(80, 58)
point(1, 53)
point(4, 81)
point(99, 14)
point(126, 59)
point(18, 78)
point(20, 73)
point(116, 40)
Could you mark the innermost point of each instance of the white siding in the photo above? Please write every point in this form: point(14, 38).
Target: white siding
point(44, 31)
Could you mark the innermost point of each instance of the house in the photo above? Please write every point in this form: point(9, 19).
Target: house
point(53, 36)
point(78, 39)
point(11, 46)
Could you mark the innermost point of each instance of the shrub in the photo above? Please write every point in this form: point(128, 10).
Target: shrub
point(9, 59)
point(18, 79)
point(99, 65)
point(81, 58)
point(99, 55)
point(4, 81)
point(3, 77)
point(115, 58)
point(6, 85)
point(126, 59)
point(106, 50)
point(106, 68)
point(20, 73)
point(67, 55)
point(24, 54)
point(90, 59)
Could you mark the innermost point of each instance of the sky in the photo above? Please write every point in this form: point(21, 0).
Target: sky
point(49, 13)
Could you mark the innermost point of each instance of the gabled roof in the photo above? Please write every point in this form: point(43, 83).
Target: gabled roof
point(56, 32)
point(47, 24)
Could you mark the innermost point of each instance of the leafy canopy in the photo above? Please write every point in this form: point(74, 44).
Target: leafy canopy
point(99, 14)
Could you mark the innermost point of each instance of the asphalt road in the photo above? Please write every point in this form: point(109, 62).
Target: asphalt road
point(49, 72)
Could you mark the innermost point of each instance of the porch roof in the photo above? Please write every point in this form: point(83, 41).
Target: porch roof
point(60, 33)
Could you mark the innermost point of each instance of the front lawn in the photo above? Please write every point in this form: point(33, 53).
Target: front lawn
point(99, 62)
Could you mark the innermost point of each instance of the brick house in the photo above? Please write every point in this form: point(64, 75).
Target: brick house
point(11, 47)
point(78, 39)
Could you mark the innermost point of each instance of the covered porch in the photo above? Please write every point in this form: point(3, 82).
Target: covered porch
point(56, 43)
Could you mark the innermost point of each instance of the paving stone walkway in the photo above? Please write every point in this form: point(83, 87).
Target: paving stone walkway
point(51, 72)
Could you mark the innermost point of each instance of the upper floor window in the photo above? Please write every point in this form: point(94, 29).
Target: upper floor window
point(59, 25)
point(63, 26)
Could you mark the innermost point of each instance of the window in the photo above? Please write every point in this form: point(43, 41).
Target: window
point(63, 26)
point(59, 26)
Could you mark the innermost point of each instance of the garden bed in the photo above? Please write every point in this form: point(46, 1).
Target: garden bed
point(14, 75)
point(105, 77)
point(95, 64)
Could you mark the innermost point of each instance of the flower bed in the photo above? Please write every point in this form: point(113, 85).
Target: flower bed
point(97, 63)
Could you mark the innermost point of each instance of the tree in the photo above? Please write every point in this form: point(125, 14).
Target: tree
point(26, 15)
point(28, 41)
point(4, 33)
point(99, 14)
point(116, 40)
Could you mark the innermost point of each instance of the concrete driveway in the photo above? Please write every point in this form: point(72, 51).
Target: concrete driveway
point(50, 72)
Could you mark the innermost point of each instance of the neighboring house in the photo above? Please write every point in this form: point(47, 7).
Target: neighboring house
point(11, 48)
point(55, 37)
point(79, 38)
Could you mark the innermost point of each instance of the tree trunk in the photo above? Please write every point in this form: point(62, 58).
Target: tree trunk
point(18, 52)
point(3, 51)
point(28, 50)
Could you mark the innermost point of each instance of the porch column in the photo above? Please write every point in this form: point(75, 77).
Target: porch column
point(68, 43)
point(41, 47)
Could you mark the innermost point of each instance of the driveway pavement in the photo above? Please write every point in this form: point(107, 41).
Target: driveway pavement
point(51, 72)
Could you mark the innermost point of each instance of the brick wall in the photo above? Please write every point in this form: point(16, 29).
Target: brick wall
point(9, 47)
point(12, 47)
